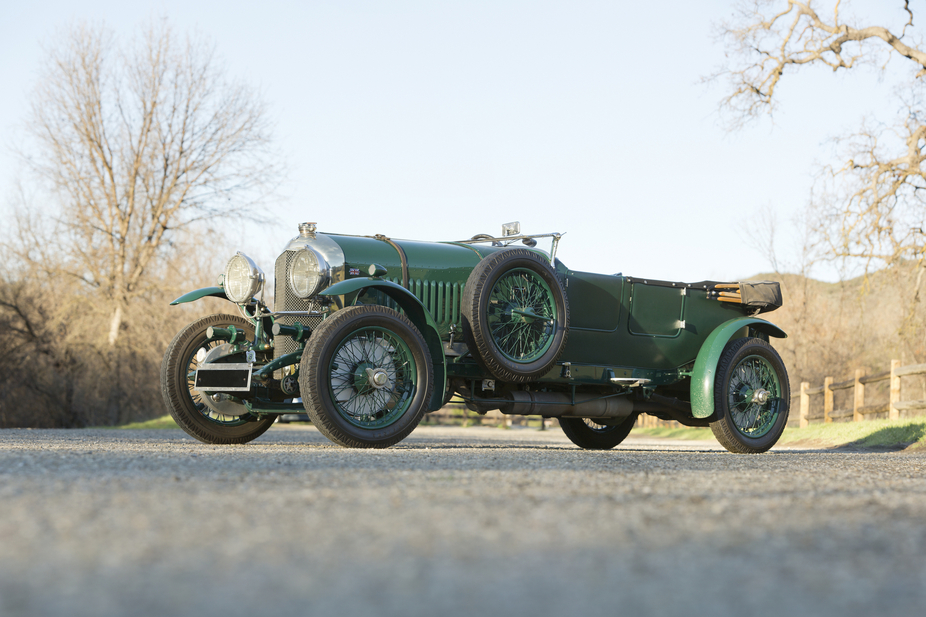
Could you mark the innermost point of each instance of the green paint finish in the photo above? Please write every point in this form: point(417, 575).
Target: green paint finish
point(415, 311)
point(618, 326)
point(285, 360)
point(267, 407)
point(372, 378)
point(705, 368)
point(521, 315)
point(752, 417)
point(441, 299)
point(666, 340)
point(192, 296)
point(594, 300)
point(655, 311)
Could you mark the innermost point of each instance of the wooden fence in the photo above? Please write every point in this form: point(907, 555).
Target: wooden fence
point(859, 409)
point(456, 413)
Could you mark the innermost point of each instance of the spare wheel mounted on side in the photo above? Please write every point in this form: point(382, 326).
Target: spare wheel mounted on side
point(515, 314)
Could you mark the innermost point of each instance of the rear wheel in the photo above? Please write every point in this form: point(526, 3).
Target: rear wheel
point(592, 435)
point(752, 397)
point(366, 377)
point(223, 423)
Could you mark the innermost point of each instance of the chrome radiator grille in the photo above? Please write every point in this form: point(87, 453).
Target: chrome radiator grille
point(285, 300)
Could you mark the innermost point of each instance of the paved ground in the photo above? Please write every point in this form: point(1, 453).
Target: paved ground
point(452, 522)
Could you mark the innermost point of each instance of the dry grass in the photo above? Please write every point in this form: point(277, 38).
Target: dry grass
point(875, 434)
point(162, 422)
point(872, 434)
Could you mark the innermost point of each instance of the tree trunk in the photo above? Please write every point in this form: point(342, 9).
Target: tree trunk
point(115, 323)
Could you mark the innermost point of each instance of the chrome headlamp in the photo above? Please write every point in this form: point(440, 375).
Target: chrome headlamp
point(308, 273)
point(243, 279)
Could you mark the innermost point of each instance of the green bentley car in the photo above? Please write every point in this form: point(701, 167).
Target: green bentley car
point(368, 333)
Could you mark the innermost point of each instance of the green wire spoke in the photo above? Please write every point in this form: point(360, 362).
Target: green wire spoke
point(517, 335)
point(359, 401)
point(749, 417)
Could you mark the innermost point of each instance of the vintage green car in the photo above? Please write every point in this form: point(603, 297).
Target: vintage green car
point(368, 333)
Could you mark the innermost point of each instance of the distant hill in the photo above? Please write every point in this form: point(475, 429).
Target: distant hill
point(834, 328)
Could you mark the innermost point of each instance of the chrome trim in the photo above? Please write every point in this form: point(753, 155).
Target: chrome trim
point(237, 366)
point(324, 246)
point(307, 313)
point(487, 238)
point(255, 274)
point(508, 240)
point(630, 382)
point(307, 230)
point(324, 271)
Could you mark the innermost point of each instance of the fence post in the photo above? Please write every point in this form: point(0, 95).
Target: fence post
point(859, 395)
point(827, 399)
point(894, 413)
point(805, 404)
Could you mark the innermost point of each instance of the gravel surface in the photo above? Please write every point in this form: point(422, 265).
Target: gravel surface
point(452, 522)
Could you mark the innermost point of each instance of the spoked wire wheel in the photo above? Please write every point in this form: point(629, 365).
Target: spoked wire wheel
point(366, 377)
point(515, 314)
point(372, 377)
point(521, 315)
point(752, 397)
point(187, 407)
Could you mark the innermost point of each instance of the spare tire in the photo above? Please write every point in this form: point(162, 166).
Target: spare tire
point(515, 314)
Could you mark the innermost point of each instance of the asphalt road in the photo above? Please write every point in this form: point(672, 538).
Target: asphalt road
point(452, 522)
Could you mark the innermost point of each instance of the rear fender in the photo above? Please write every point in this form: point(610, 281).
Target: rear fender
point(415, 311)
point(705, 367)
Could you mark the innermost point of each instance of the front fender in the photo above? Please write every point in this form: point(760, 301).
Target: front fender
point(192, 296)
point(419, 316)
point(705, 367)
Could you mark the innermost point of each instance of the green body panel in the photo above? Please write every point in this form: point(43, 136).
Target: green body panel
point(415, 311)
point(622, 321)
point(705, 367)
point(660, 332)
point(192, 296)
point(437, 271)
point(618, 327)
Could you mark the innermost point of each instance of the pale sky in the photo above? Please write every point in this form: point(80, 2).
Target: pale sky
point(440, 120)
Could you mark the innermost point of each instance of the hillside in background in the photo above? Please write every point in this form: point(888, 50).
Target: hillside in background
point(834, 328)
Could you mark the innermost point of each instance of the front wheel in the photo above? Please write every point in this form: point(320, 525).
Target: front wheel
point(223, 423)
point(591, 435)
point(752, 397)
point(366, 377)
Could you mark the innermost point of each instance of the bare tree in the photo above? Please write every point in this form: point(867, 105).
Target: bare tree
point(58, 369)
point(869, 206)
point(137, 140)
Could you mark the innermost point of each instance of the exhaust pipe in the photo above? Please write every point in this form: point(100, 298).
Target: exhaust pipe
point(555, 404)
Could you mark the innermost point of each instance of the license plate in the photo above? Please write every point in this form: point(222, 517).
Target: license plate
point(223, 378)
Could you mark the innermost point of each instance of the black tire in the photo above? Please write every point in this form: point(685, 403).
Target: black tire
point(346, 403)
point(515, 347)
point(748, 421)
point(185, 405)
point(589, 434)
